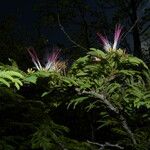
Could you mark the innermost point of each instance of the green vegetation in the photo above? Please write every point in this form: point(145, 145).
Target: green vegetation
point(106, 93)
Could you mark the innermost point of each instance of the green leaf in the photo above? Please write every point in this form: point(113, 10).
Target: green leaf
point(112, 87)
point(44, 94)
point(31, 79)
point(77, 101)
point(136, 61)
point(97, 53)
point(128, 72)
point(4, 82)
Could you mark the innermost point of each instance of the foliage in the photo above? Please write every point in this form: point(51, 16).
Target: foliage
point(50, 136)
point(118, 84)
point(8, 77)
point(32, 115)
point(112, 85)
point(111, 73)
point(115, 82)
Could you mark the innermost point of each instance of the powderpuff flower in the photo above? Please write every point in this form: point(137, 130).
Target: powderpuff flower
point(52, 62)
point(35, 58)
point(105, 42)
point(117, 36)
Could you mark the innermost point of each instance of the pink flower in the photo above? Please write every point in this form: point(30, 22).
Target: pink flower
point(52, 59)
point(117, 36)
point(106, 44)
point(52, 63)
point(35, 58)
point(104, 40)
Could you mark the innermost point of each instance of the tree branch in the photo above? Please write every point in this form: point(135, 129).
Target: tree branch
point(67, 35)
point(102, 146)
point(104, 100)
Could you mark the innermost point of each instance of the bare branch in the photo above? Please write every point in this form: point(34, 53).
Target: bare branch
point(131, 28)
point(67, 35)
point(107, 144)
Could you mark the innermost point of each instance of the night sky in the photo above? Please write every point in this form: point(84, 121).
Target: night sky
point(21, 8)
point(26, 17)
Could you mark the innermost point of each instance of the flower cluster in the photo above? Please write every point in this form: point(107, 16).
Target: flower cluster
point(117, 36)
point(52, 63)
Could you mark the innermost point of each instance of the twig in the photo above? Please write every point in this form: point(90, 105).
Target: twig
point(102, 146)
point(67, 35)
point(123, 36)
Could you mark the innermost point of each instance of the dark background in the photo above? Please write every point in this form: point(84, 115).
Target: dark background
point(35, 23)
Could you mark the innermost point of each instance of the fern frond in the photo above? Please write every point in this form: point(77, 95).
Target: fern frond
point(8, 77)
